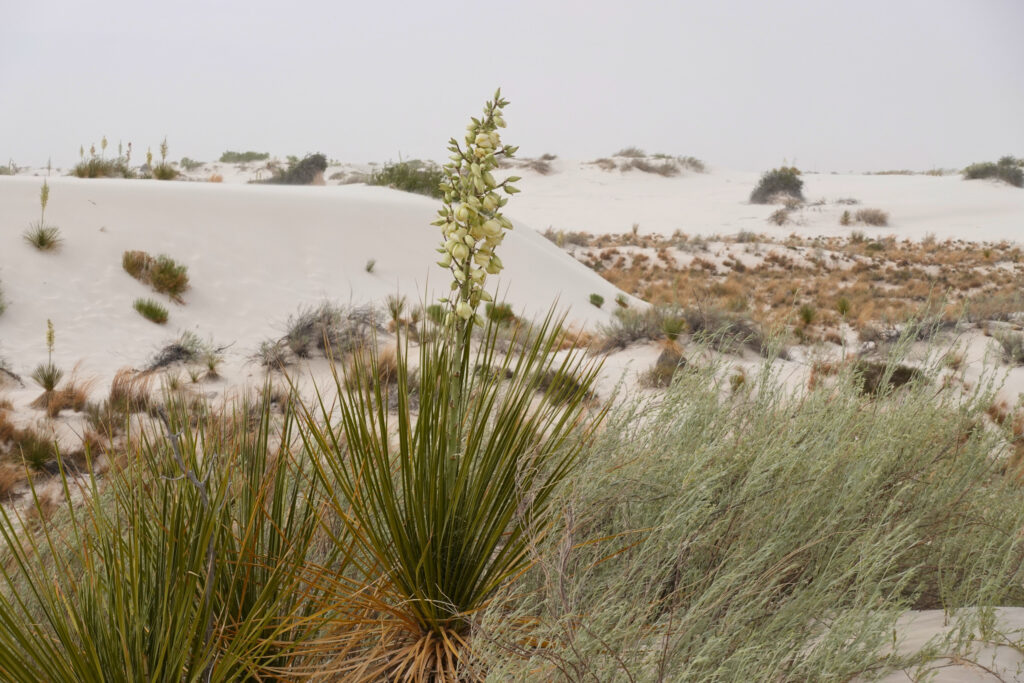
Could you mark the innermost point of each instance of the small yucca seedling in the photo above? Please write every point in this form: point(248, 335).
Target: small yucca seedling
point(151, 310)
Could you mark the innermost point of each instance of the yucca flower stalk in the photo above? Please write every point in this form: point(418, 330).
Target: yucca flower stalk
point(44, 198)
point(444, 496)
point(473, 228)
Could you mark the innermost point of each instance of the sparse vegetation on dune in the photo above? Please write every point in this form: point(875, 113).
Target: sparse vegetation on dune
point(778, 183)
point(856, 281)
point(307, 171)
point(1008, 169)
point(230, 157)
point(409, 176)
point(101, 166)
point(163, 274)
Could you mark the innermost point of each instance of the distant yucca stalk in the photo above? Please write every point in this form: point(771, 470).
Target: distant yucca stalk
point(47, 375)
point(40, 235)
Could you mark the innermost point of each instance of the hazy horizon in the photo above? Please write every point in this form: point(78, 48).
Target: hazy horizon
point(846, 86)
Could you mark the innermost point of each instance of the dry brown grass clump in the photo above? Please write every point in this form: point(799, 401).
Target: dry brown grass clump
point(875, 217)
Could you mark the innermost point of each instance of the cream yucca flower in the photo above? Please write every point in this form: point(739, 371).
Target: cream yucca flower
point(470, 220)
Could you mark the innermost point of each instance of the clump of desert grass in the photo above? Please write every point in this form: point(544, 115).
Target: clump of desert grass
point(162, 273)
point(151, 310)
point(419, 177)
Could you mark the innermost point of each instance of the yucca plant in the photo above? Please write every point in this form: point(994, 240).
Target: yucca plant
point(443, 504)
point(47, 375)
point(40, 235)
point(186, 564)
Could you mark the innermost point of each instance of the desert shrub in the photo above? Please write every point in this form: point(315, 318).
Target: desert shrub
point(621, 301)
point(99, 166)
point(190, 164)
point(1012, 344)
point(846, 218)
point(9, 168)
point(168, 276)
point(435, 313)
point(779, 217)
point(151, 310)
point(500, 313)
point(721, 559)
point(667, 168)
point(724, 331)
point(778, 182)
point(875, 217)
point(187, 348)
point(629, 325)
point(597, 300)
point(43, 237)
point(135, 263)
point(1008, 169)
point(875, 377)
point(330, 329)
point(163, 274)
point(631, 153)
point(230, 157)
point(370, 265)
point(669, 362)
point(300, 172)
point(215, 178)
point(410, 176)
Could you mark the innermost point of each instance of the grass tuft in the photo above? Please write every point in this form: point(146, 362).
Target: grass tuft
point(151, 310)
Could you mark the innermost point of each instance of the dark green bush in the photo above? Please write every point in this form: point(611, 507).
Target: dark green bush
point(1008, 169)
point(778, 181)
point(302, 172)
point(230, 157)
point(410, 176)
point(500, 313)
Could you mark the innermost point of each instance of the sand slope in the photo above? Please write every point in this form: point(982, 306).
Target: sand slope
point(254, 254)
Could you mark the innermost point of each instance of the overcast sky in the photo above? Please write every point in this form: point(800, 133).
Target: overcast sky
point(828, 85)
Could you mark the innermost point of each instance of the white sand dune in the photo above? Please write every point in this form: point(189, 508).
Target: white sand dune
point(582, 197)
point(254, 255)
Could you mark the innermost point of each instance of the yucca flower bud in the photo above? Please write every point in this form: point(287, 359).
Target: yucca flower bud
point(463, 310)
point(460, 252)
